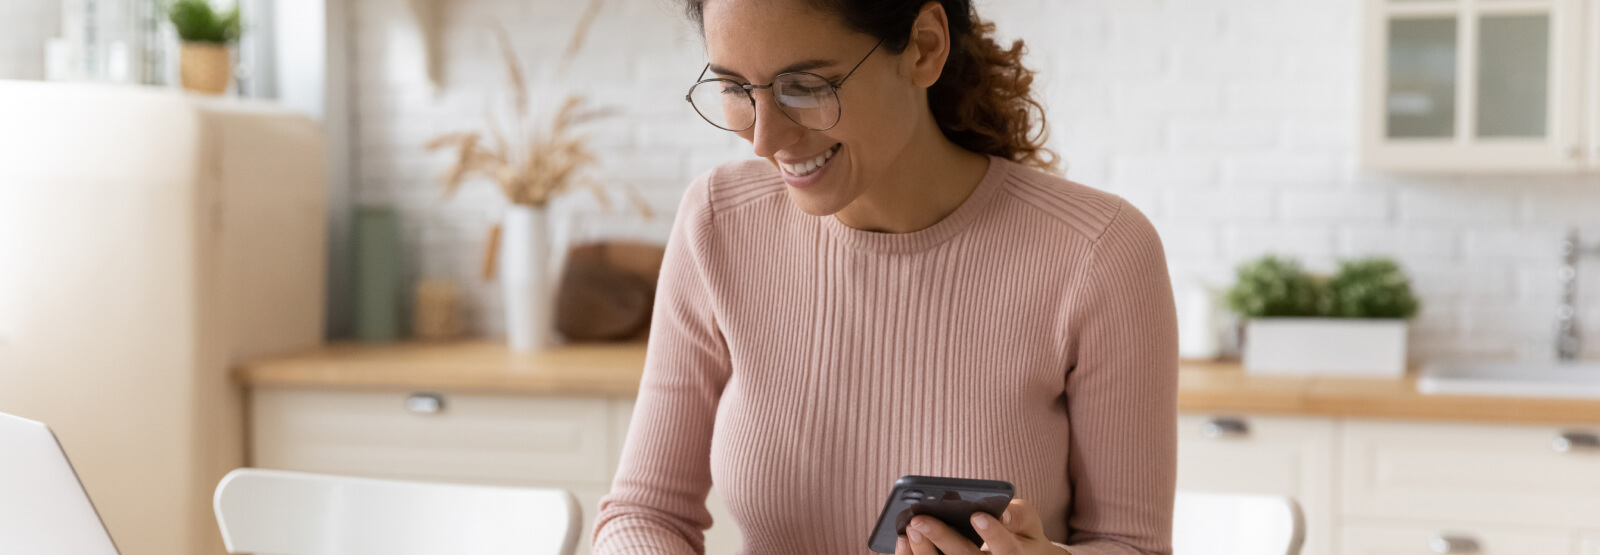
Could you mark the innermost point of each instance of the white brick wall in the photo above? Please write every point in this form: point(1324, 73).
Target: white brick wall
point(1229, 122)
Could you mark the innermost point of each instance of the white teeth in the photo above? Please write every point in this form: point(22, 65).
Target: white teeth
point(809, 166)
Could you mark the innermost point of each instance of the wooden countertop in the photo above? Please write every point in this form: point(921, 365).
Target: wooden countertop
point(612, 370)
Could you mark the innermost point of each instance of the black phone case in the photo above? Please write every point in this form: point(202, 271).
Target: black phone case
point(951, 500)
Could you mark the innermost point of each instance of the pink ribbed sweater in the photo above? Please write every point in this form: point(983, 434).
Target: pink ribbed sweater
point(802, 366)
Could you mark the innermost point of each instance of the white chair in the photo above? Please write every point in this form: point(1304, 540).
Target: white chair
point(274, 512)
point(1236, 524)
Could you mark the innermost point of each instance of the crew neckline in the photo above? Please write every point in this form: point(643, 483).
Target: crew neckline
point(931, 236)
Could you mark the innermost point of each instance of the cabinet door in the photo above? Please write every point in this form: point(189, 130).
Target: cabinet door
point(1474, 86)
point(473, 438)
point(1265, 455)
point(1589, 544)
point(1470, 473)
point(1419, 539)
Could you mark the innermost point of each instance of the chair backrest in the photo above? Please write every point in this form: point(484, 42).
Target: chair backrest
point(1236, 524)
point(274, 512)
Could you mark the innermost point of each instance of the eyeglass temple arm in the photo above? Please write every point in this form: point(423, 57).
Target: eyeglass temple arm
point(858, 64)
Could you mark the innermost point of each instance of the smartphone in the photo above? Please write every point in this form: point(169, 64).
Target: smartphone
point(951, 500)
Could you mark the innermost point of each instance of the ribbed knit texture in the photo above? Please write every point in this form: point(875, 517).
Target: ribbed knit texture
point(803, 366)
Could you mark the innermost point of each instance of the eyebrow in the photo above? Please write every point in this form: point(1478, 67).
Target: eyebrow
point(803, 65)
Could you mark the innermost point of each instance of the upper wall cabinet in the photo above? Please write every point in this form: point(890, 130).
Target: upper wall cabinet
point(1481, 86)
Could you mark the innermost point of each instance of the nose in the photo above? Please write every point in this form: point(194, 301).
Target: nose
point(773, 129)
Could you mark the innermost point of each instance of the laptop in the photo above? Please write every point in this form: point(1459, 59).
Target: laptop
point(43, 507)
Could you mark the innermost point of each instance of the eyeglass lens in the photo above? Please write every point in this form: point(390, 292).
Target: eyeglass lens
point(807, 99)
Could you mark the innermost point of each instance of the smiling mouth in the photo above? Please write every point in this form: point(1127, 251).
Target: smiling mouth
point(808, 167)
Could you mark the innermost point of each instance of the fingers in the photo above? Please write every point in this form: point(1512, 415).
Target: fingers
point(1000, 540)
point(928, 536)
point(1021, 519)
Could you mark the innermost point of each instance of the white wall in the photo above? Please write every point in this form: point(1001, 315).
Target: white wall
point(24, 26)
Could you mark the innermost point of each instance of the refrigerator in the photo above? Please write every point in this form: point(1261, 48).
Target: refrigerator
point(150, 240)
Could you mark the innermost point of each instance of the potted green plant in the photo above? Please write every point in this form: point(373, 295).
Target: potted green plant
point(1351, 323)
point(204, 63)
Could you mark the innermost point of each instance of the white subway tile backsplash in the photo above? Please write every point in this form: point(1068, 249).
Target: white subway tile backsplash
point(1223, 134)
point(1335, 206)
point(1209, 205)
point(1186, 170)
point(1163, 97)
point(1533, 244)
point(1286, 169)
point(1429, 244)
point(1309, 241)
point(1458, 205)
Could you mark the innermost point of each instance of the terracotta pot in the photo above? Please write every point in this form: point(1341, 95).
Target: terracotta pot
point(205, 67)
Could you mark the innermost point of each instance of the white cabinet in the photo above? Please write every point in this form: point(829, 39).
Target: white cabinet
point(1367, 487)
point(1480, 86)
point(1469, 473)
point(559, 442)
point(1589, 544)
point(1266, 455)
point(1421, 539)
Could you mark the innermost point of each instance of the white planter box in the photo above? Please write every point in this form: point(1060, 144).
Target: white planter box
point(1325, 346)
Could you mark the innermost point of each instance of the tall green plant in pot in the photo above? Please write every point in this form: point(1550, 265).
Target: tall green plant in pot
point(1350, 323)
point(205, 63)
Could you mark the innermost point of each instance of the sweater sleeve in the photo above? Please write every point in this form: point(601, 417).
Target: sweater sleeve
point(657, 503)
point(1122, 396)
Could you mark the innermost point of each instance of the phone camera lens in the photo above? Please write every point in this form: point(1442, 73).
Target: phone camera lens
point(912, 495)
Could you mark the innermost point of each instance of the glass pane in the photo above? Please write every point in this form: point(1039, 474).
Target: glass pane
point(1513, 75)
point(1421, 100)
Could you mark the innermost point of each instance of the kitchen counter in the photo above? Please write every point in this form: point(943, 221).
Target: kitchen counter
point(612, 370)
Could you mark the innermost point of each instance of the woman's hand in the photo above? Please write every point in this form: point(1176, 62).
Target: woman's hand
point(1018, 532)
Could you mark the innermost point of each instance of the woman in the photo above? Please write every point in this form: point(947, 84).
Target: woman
point(896, 289)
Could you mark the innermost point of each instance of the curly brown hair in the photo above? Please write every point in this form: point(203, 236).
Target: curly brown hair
point(983, 100)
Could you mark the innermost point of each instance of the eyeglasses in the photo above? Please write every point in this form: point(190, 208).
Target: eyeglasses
point(807, 98)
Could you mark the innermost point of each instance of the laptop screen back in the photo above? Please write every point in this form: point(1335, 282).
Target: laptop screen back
point(43, 507)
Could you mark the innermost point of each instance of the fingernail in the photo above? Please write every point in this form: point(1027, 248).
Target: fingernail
point(920, 525)
point(981, 521)
point(1006, 516)
point(916, 536)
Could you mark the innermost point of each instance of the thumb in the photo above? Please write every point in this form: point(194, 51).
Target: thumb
point(1021, 519)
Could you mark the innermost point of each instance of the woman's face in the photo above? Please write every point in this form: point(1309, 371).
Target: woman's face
point(754, 41)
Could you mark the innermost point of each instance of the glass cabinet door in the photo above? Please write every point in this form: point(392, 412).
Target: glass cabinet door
point(1421, 100)
point(1513, 88)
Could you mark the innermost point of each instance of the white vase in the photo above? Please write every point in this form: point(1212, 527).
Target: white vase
point(525, 278)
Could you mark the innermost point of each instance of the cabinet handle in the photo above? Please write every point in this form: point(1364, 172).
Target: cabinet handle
point(1570, 440)
point(1444, 543)
point(425, 403)
point(1223, 427)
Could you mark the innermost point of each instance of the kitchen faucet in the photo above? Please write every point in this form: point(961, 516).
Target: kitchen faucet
point(1569, 342)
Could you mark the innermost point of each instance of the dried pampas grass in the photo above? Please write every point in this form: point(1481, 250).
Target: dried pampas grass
point(533, 166)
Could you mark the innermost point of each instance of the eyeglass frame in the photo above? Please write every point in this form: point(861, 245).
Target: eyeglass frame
point(747, 87)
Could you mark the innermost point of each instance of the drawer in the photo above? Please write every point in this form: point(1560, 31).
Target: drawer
point(1421, 539)
point(1473, 473)
point(474, 438)
point(1265, 455)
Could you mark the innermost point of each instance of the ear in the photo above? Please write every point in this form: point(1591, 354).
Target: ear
point(929, 46)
